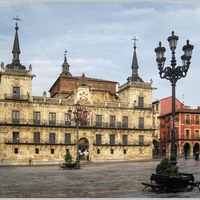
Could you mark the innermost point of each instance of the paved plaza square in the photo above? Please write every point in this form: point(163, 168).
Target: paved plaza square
point(93, 180)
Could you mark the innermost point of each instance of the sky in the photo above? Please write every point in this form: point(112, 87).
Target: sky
point(98, 39)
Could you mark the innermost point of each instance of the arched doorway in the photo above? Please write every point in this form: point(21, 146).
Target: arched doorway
point(83, 149)
point(195, 148)
point(186, 149)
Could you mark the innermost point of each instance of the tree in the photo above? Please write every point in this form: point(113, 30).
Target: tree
point(68, 158)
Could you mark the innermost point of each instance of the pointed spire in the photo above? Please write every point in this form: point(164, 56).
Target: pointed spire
point(134, 65)
point(16, 50)
point(65, 67)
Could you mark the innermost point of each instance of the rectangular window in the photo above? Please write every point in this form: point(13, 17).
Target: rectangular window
point(196, 134)
point(187, 119)
point(36, 151)
point(16, 150)
point(67, 138)
point(187, 134)
point(15, 117)
point(16, 137)
point(140, 102)
point(52, 151)
point(67, 150)
point(98, 138)
point(141, 122)
point(163, 149)
point(112, 139)
point(124, 151)
point(141, 139)
point(67, 120)
point(125, 122)
point(52, 118)
point(156, 107)
point(98, 151)
point(36, 118)
point(196, 119)
point(52, 138)
point(16, 92)
point(36, 137)
point(125, 139)
point(99, 120)
point(112, 121)
point(112, 151)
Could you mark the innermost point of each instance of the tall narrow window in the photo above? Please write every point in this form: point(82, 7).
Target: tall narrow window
point(112, 139)
point(52, 138)
point(196, 134)
point(36, 137)
point(141, 139)
point(141, 122)
point(196, 119)
point(187, 134)
point(140, 102)
point(16, 150)
point(99, 120)
point(52, 118)
point(125, 122)
point(98, 138)
point(125, 139)
point(36, 117)
point(52, 151)
point(67, 120)
point(112, 121)
point(15, 117)
point(187, 119)
point(15, 137)
point(37, 151)
point(67, 138)
point(16, 92)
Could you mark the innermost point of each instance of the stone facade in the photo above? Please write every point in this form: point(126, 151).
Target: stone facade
point(117, 125)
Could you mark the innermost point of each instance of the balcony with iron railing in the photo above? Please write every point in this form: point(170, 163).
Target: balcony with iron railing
point(28, 141)
point(62, 123)
point(36, 142)
point(121, 144)
point(17, 97)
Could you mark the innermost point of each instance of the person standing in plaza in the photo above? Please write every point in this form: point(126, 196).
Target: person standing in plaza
point(197, 157)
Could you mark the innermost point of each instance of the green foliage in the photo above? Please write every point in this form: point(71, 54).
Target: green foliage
point(166, 168)
point(68, 158)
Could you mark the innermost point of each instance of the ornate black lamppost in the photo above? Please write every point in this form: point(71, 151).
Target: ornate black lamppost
point(79, 117)
point(173, 74)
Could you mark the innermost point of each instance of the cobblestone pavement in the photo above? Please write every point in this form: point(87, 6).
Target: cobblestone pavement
point(93, 180)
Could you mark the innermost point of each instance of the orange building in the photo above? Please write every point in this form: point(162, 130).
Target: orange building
point(187, 127)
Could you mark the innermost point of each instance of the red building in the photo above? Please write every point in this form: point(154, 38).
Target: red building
point(187, 127)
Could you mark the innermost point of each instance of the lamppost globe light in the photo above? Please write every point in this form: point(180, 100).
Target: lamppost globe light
point(188, 50)
point(173, 74)
point(172, 41)
point(160, 51)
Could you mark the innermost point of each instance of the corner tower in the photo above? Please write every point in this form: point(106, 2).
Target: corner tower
point(15, 80)
point(135, 91)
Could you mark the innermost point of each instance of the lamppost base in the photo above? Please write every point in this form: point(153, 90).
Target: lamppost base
point(174, 162)
point(77, 165)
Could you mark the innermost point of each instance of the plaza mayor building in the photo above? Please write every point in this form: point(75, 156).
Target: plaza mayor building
point(110, 122)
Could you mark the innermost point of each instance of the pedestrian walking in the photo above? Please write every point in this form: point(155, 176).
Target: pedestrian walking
point(197, 157)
